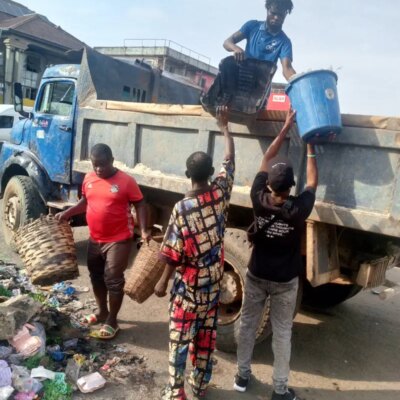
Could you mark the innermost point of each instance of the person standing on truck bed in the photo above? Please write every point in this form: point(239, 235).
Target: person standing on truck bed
point(265, 39)
point(107, 196)
point(193, 248)
point(276, 261)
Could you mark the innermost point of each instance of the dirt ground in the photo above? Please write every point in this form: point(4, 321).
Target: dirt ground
point(350, 352)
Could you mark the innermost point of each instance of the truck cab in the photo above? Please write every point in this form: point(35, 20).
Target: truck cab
point(36, 159)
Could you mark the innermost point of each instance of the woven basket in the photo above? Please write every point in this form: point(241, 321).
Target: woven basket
point(145, 272)
point(47, 248)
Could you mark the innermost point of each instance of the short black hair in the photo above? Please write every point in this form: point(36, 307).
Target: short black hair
point(199, 166)
point(101, 150)
point(282, 5)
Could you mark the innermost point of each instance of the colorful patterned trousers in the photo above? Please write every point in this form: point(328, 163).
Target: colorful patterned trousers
point(193, 332)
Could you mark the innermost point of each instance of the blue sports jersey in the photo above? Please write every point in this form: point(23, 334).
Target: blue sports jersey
point(263, 45)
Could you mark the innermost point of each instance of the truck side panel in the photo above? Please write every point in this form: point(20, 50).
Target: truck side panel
point(359, 171)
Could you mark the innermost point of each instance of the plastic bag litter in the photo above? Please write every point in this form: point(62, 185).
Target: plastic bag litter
point(22, 380)
point(30, 340)
point(57, 389)
point(16, 359)
point(5, 352)
point(25, 396)
point(6, 392)
point(64, 287)
point(7, 271)
point(70, 343)
point(59, 287)
point(5, 374)
point(73, 367)
point(72, 371)
point(53, 302)
point(42, 373)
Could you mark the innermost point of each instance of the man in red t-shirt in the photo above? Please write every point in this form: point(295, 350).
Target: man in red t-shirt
point(107, 196)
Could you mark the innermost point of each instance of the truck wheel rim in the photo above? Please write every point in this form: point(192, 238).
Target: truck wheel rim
point(11, 212)
point(229, 313)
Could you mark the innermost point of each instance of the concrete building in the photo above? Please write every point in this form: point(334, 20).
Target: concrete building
point(29, 42)
point(168, 56)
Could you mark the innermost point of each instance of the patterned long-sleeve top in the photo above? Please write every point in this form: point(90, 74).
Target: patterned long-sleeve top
point(194, 241)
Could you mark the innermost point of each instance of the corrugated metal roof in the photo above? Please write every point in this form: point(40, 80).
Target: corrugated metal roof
point(13, 8)
point(37, 26)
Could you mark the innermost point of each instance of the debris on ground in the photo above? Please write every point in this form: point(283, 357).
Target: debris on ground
point(15, 312)
point(46, 352)
point(91, 383)
point(388, 290)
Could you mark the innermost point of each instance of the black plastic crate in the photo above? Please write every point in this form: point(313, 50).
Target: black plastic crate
point(242, 86)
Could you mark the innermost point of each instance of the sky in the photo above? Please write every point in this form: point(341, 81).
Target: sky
point(358, 39)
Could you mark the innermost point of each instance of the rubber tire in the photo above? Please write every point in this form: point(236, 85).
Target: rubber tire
point(237, 253)
point(328, 295)
point(30, 204)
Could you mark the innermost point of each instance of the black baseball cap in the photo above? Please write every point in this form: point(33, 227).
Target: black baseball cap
point(280, 174)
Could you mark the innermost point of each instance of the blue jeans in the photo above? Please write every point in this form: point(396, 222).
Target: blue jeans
point(283, 297)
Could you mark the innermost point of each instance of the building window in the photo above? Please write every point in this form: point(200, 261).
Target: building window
point(30, 93)
point(32, 63)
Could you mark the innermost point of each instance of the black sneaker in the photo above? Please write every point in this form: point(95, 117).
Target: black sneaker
point(240, 384)
point(289, 395)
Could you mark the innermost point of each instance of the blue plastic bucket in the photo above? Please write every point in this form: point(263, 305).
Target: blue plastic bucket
point(314, 97)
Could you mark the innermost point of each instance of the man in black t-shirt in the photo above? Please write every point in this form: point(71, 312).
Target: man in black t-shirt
point(276, 260)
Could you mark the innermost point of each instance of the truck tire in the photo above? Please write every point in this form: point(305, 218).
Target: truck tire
point(237, 257)
point(21, 202)
point(328, 295)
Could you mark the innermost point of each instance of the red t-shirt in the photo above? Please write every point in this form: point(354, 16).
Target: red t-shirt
point(108, 211)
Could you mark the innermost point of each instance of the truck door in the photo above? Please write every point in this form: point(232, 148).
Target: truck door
point(52, 128)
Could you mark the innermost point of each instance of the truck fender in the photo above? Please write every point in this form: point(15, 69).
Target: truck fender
point(25, 163)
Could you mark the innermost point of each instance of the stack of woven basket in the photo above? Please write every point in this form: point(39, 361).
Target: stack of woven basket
point(47, 249)
point(145, 272)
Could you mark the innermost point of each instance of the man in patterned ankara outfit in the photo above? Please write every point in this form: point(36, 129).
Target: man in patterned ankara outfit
point(193, 248)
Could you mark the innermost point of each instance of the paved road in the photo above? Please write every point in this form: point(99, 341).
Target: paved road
point(349, 353)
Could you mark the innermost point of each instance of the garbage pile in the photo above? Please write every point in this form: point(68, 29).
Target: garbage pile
point(46, 352)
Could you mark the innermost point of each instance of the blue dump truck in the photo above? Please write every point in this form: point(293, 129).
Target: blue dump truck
point(351, 238)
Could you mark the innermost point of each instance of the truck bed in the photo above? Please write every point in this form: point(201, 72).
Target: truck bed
point(359, 173)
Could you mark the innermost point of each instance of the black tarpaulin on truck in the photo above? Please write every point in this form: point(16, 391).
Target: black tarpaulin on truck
point(105, 78)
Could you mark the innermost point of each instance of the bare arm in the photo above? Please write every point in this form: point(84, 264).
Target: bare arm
point(161, 288)
point(312, 170)
point(78, 208)
point(287, 68)
point(141, 212)
point(230, 45)
point(222, 121)
point(275, 146)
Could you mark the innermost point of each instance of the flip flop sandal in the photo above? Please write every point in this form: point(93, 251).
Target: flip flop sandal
point(88, 320)
point(106, 332)
point(166, 393)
